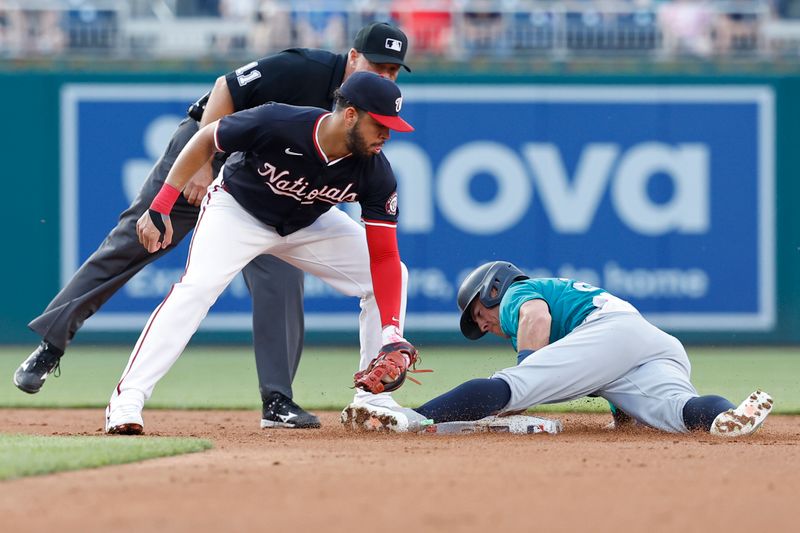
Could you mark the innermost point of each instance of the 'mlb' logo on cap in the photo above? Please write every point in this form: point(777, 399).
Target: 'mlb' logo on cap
point(394, 44)
point(398, 104)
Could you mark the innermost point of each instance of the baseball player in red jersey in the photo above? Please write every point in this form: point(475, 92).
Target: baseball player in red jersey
point(277, 194)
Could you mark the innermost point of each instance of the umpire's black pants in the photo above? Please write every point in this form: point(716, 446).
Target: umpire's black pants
point(275, 286)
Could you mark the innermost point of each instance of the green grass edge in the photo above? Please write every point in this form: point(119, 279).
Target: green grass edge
point(23, 455)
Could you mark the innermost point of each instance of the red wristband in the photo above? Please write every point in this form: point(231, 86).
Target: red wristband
point(165, 199)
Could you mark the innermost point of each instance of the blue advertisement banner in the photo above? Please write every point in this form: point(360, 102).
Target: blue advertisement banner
point(663, 195)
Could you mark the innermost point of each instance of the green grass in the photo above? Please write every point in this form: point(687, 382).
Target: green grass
point(31, 455)
point(225, 377)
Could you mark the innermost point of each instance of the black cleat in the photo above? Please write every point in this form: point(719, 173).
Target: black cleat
point(31, 374)
point(281, 412)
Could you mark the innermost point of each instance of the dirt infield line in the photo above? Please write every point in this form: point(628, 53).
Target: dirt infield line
point(586, 479)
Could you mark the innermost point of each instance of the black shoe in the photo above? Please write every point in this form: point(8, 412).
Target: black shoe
point(281, 412)
point(31, 374)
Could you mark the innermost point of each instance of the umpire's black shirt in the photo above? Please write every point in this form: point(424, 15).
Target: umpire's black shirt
point(298, 76)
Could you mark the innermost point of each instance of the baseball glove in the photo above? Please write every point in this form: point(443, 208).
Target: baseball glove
point(388, 370)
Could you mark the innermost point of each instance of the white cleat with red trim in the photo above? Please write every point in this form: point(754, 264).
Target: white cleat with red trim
point(368, 417)
point(124, 413)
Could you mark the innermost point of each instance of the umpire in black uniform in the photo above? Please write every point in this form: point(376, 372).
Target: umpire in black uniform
point(296, 76)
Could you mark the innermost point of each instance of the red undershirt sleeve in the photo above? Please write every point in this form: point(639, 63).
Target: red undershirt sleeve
point(384, 266)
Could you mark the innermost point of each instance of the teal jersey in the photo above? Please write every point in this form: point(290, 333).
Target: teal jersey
point(569, 301)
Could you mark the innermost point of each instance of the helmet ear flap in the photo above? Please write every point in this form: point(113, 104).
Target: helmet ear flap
point(499, 277)
point(487, 298)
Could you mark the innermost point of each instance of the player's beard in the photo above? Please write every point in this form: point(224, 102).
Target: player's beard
point(356, 143)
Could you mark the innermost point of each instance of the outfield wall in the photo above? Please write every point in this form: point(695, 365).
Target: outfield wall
point(676, 193)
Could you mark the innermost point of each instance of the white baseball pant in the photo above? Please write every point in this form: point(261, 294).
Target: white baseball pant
point(226, 238)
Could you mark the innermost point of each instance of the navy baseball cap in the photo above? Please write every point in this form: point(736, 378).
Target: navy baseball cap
point(380, 97)
point(382, 43)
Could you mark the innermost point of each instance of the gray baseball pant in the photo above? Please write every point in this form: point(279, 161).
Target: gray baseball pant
point(619, 356)
point(275, 286)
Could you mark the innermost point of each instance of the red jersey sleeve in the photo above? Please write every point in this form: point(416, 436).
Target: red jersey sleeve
point(384, 265)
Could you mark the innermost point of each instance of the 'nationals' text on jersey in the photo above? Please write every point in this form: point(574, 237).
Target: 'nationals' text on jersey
point(281, 176)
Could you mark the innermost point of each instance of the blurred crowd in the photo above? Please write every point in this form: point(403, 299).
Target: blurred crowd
point(454, 29)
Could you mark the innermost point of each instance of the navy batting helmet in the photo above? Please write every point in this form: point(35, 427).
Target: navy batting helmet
point(480, 282)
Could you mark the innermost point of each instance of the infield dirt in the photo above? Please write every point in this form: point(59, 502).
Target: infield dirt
point(587, 479)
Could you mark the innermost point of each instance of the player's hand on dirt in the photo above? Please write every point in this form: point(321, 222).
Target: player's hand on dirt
point(196, 189)
point(154, 230)
point(621, 420)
